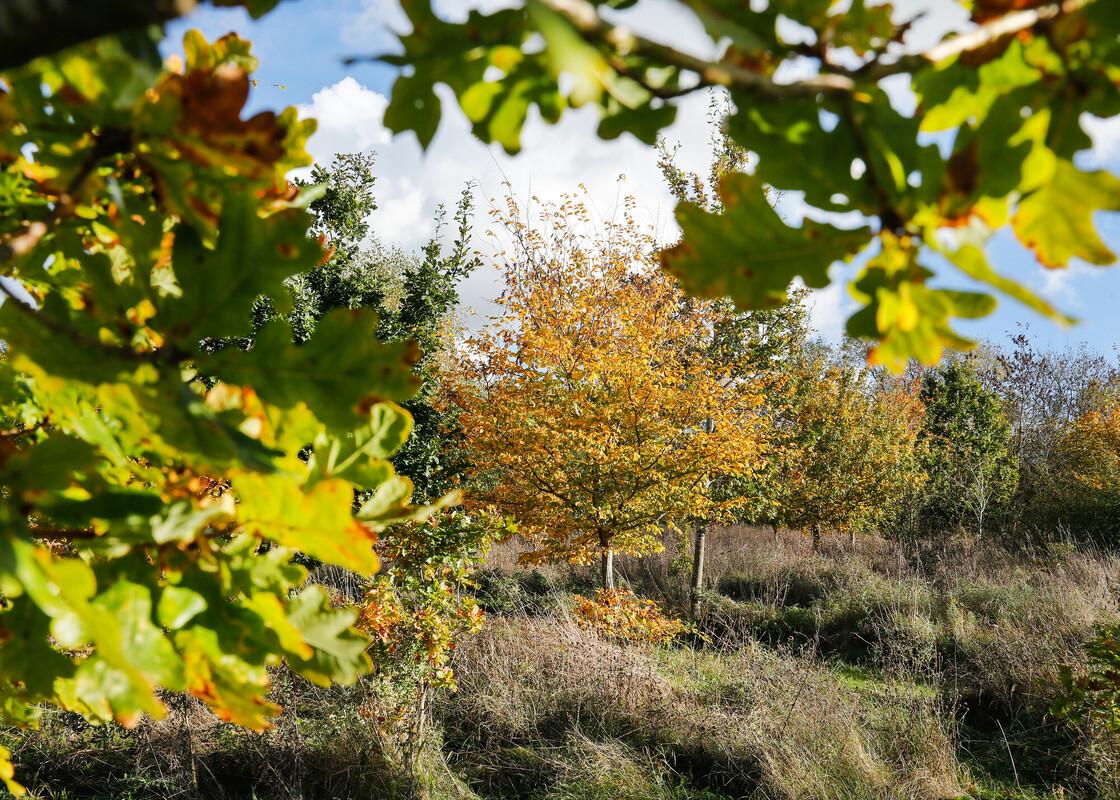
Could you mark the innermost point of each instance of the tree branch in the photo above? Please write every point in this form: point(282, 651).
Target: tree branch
point(583, 16)
point(585, 19)
point(982, 36)
point(41, 27)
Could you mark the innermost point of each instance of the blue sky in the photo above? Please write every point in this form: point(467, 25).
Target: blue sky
point(301, 45)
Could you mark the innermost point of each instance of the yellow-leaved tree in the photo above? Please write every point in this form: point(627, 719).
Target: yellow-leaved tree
point(849, 449)
point(595, 406)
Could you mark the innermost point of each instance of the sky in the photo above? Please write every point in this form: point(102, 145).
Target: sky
point(301, 46)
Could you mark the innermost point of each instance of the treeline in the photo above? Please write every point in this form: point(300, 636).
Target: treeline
point(1022, 444)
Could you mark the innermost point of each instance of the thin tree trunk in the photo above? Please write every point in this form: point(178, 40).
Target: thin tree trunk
point(607, 561)
point(852, 539)
point(774, 532)
point(816, 538)
point(697, 570)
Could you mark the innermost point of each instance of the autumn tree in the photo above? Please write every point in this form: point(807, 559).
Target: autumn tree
point(593, 409)
point(756, 346)
point(848, 449)
point(1042, 394)
point(1084, 496)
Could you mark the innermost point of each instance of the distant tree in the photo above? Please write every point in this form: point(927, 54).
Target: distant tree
point(967, 451)
point(414, 296)
point(1084, 496)
point(848, 450)
point(757, 345)
point(1043, 393)
point(593, 408)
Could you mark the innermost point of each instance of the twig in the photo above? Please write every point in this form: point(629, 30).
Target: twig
point(17, 433)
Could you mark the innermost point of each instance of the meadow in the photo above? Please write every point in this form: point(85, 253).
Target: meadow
point(864, 671)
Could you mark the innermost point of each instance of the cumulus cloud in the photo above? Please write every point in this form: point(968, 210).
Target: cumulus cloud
point(555, 160)
point(349, 117)
point(1105, 134)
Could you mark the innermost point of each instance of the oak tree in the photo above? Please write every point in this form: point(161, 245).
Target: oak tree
point(593, 407)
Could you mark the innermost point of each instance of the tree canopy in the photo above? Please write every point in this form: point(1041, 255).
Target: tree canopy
point(594, 409)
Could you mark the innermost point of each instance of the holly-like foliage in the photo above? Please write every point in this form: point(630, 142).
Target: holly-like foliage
point(595, 409)
point(1007, 97)
point(153, 491)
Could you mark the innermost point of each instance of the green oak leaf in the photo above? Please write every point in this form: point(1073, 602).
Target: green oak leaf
point(337, 651)
point(414, 106)
point(749, 253)
point(797, 153)
point(317, 521)
point(339, 374)
point(252, 256)
point(972, 261)
point(26, 650)
point(235, 690)
point(1056, 220)
point(360, 456)
point(178, 605)
point(903, 315)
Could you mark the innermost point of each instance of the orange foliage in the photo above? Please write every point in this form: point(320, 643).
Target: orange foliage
point(620, 614)
point(596, 408)
point(849, 450)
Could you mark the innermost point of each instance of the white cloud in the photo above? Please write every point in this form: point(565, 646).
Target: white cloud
point(1066, 288)
point(829, 309)
point(373, 26)
point(555, 159)
point(1105, 134)
point(350, 119)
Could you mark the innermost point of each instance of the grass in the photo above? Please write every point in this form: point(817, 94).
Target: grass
point(863, 672)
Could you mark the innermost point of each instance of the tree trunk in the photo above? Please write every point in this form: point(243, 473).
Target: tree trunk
point(852, 539)
point(697, 571)
point(774, 533)
point(607, 561)
point(816, 538)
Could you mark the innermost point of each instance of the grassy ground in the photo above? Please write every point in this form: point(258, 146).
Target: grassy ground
point(863, 672)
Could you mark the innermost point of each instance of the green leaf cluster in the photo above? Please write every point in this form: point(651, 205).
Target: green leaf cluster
point(154, 491)
point(991, 141)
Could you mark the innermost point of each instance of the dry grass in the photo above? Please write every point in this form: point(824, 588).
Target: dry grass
point(751, 723)
point(981, 628)
point(865, 671)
